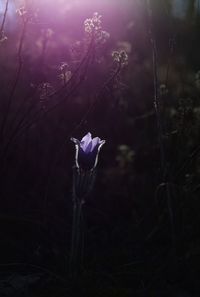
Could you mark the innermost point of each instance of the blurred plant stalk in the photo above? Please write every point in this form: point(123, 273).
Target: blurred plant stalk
point(83, 182)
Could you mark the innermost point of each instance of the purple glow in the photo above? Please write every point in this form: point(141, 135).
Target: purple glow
point(70, 13)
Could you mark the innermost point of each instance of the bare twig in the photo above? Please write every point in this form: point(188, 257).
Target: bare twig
point(27, 112)
point(164, 172)
point(171, 50)
point(22, 126)
point(17, 77)
point(100, 93)
point(156, 93)
point(4, 19)
point(157, 108)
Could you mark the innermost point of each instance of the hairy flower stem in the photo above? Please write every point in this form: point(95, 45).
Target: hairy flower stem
point(83, 182)
point(76, 235)
point(74, 261)
point(76, 229)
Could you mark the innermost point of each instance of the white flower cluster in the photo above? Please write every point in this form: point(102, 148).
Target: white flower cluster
point(93, 28)
point(65, 74)
point(2, 37)
point(21, 11)
point(120, 57)
point(63, 66)
point(93, 24)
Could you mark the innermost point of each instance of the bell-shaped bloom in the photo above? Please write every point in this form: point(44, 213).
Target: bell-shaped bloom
point(87, 151)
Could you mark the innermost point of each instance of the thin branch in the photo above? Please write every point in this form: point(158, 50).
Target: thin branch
point(156, 93)
point(171, 50)
point(164, 172)
point(4, 19)
point(21, 126)
point(18, 112)
point(17, 77)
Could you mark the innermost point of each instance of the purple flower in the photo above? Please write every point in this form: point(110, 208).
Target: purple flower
point(87, 151)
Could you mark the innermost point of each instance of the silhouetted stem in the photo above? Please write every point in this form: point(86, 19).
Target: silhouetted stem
point(4, 19)
point(76, 234)
point(83, 182)
point(17, 77)
point(159, 123)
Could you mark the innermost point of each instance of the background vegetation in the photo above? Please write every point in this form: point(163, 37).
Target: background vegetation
point(141, 222)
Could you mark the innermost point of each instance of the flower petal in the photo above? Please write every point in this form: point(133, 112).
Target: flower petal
point(76, 141)
point(85, 141)
point(88, 149)
point(95, 142)
point(101, 143)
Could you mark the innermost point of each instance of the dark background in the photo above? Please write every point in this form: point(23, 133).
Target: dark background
point(141, 221)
